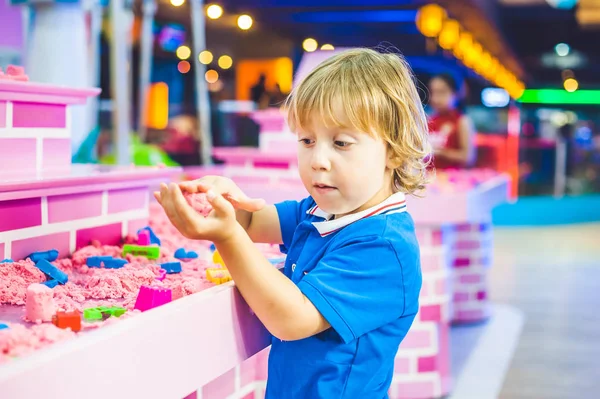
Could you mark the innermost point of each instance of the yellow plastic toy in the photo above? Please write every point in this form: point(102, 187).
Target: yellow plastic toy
point(218, 276)
point(217, 260)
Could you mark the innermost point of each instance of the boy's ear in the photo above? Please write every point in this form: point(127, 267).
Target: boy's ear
point(393, 160)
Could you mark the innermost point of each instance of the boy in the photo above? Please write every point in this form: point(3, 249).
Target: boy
point(350, 287)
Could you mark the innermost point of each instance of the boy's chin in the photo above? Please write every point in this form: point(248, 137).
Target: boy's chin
point(334, 209)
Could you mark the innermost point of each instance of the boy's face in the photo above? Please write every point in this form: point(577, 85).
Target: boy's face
point(344, 170)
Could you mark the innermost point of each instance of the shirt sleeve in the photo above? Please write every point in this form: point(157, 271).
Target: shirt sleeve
point(291, 214)
point(361, 286)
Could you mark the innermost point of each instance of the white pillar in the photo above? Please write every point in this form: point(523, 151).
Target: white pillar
point(147, 43)
point(94, 8)
point(120, 82)
point(202, 97)
point(57, 53)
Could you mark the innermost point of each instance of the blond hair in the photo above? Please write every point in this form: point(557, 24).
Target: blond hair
point(378, 96)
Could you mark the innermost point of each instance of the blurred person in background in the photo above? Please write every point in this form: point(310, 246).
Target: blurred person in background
point(180, 140)
point(259, 93)
point(451, 131)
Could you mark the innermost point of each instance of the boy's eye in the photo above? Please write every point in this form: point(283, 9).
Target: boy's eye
point(340, 143)
point(305, 141)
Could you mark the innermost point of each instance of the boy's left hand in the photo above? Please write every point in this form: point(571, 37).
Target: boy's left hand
point(219, 225)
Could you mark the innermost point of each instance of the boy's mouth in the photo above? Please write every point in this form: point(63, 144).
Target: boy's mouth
point(323, 187)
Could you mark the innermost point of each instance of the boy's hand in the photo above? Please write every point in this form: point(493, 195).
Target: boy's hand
point(219, 226)
point(225, 187)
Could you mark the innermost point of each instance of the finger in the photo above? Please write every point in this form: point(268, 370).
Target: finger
point(220, 205)
point(250, 204)
point(188, 187)
point(193, 221)
point(204, 186)
point(157, 196)
point(168, 206)
point(196, 186)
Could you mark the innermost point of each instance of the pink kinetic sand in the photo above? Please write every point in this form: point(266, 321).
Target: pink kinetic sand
point(15, 278)
point(199, 202)
point(40, 304)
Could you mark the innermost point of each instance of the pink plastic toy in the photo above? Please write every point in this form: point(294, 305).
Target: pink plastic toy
point(152, 297)
point(40, 304)
point(14, 73)
point(144, 237)
point(162, 275)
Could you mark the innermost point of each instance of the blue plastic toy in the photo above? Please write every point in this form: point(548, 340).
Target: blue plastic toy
point(181, 253)
point(171, 267)
point(109, 262)
point(50, 256)
point(153, 237)
point(50, 283)
point(115, 263)
point(96, 261)
point(52, 271)
point(8, 261)
point(3, 326)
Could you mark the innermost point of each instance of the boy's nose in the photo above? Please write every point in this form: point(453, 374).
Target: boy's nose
point(320, 159)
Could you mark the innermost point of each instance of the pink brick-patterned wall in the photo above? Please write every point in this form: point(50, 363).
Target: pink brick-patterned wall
point(283, 144)
point(20, 214)
point(107, 234)
point(422, 367)
point(20, 249)
point(56, 153)
point(269, 120)
point(62, 208)
point(18, 155)
point(37, 139)
point(73, 220)
point(127, 199)
point(470, 253)
point(134, 225)
point(39, 115)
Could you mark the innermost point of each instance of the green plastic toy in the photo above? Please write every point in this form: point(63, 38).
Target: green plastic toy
point(103, 312)
point(92, 314)
point(150, 252)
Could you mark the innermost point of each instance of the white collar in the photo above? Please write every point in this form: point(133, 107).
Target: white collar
point(395, 203)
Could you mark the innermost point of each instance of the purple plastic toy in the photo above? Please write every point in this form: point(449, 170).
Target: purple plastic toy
point(152, 297)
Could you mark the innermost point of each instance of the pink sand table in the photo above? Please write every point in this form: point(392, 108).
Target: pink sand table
point(234, 336)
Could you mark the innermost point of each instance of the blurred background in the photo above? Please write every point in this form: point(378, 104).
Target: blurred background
point(182, 80)
point(538, 56)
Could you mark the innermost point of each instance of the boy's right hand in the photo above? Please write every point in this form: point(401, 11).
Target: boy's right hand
point(227, 188)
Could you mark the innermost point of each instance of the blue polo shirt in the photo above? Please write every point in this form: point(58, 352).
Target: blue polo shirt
point(362, 272)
